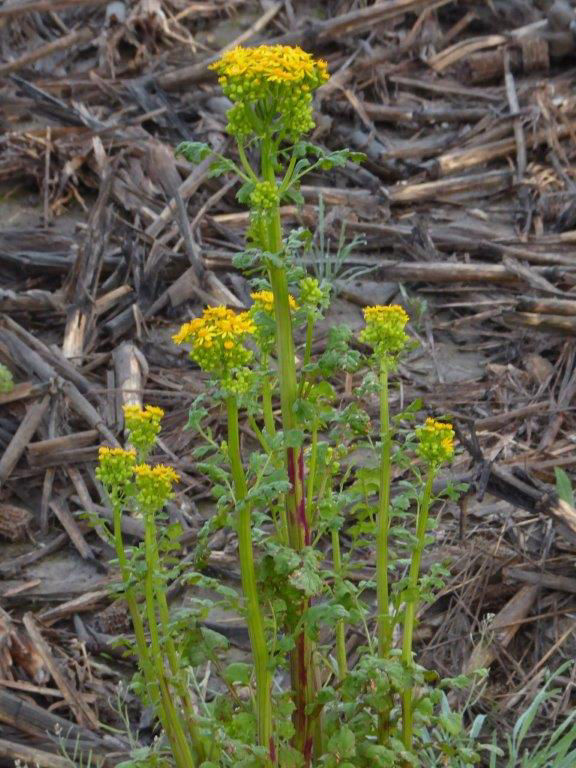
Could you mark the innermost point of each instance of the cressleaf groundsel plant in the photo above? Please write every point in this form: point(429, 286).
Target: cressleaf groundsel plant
point(305, 509)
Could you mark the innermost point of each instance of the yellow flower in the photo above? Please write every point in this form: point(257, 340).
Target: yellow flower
point(143, 425)
point(115, 467)
point(217, 339)
point(264, 301)
point(385, 314)
point(435, 441)
point(154, 485)
point(384, 331)
point(148, 413)
point(272, 64)
point(280, 77)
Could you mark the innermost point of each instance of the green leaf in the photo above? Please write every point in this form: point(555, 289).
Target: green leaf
point(564, 486)
point(343, 743)
point(247, 259)
point(307, 578)
point(451, 722)
point(194, 151)
point(196, 414)
point(238, 672)
point(220, 166)
point(293, 438)
point(243, 194)
point(293, 195)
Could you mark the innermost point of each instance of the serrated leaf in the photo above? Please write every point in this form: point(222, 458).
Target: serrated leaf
point(193, 151)
point(220, 166)
point(238, 672)
point(343, 743)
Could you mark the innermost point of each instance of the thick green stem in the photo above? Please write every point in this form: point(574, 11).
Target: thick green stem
point(411, 602)
point(383, 522)
point(249, 586)
point(340, 626)
point(301, 667)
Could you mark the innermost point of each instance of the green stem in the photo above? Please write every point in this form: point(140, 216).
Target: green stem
point(382, 544)
point(176, 734)
point(411, 602)
point(307, 349)
point(267, 409)
point(340, 626)
point(301, 666)
point(176, 670)
point(249, 586)
point(130, 597)
point(259, 436)
point(286, 181)
point(245, 162)
point(383, 522)
point(312, 471)
point(144, 661)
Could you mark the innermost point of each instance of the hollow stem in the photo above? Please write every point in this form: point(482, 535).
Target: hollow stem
point(249, 586)
point(411, 603)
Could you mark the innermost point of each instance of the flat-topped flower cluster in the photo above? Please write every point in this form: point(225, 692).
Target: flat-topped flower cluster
point(279, 79)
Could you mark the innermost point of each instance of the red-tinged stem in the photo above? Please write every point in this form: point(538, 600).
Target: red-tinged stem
point(299, 534)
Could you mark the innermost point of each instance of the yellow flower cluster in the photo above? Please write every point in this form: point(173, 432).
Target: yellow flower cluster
point(272, 64)
point(143, 425)
point(384, 331)
point(264, 301)
point(435, 441)
point(154, 485)
point(217, 339)
point(279, 77)
point(263, 313)
point(115, 467)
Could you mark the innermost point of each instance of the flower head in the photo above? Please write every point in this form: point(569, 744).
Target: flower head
point(115, 467)
point(143, 425)
point(217, 340)
point(435, 441)
point(262, 312)
point(264, 301)
point(384, 331)
point(279, 77)
point(154, 485)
